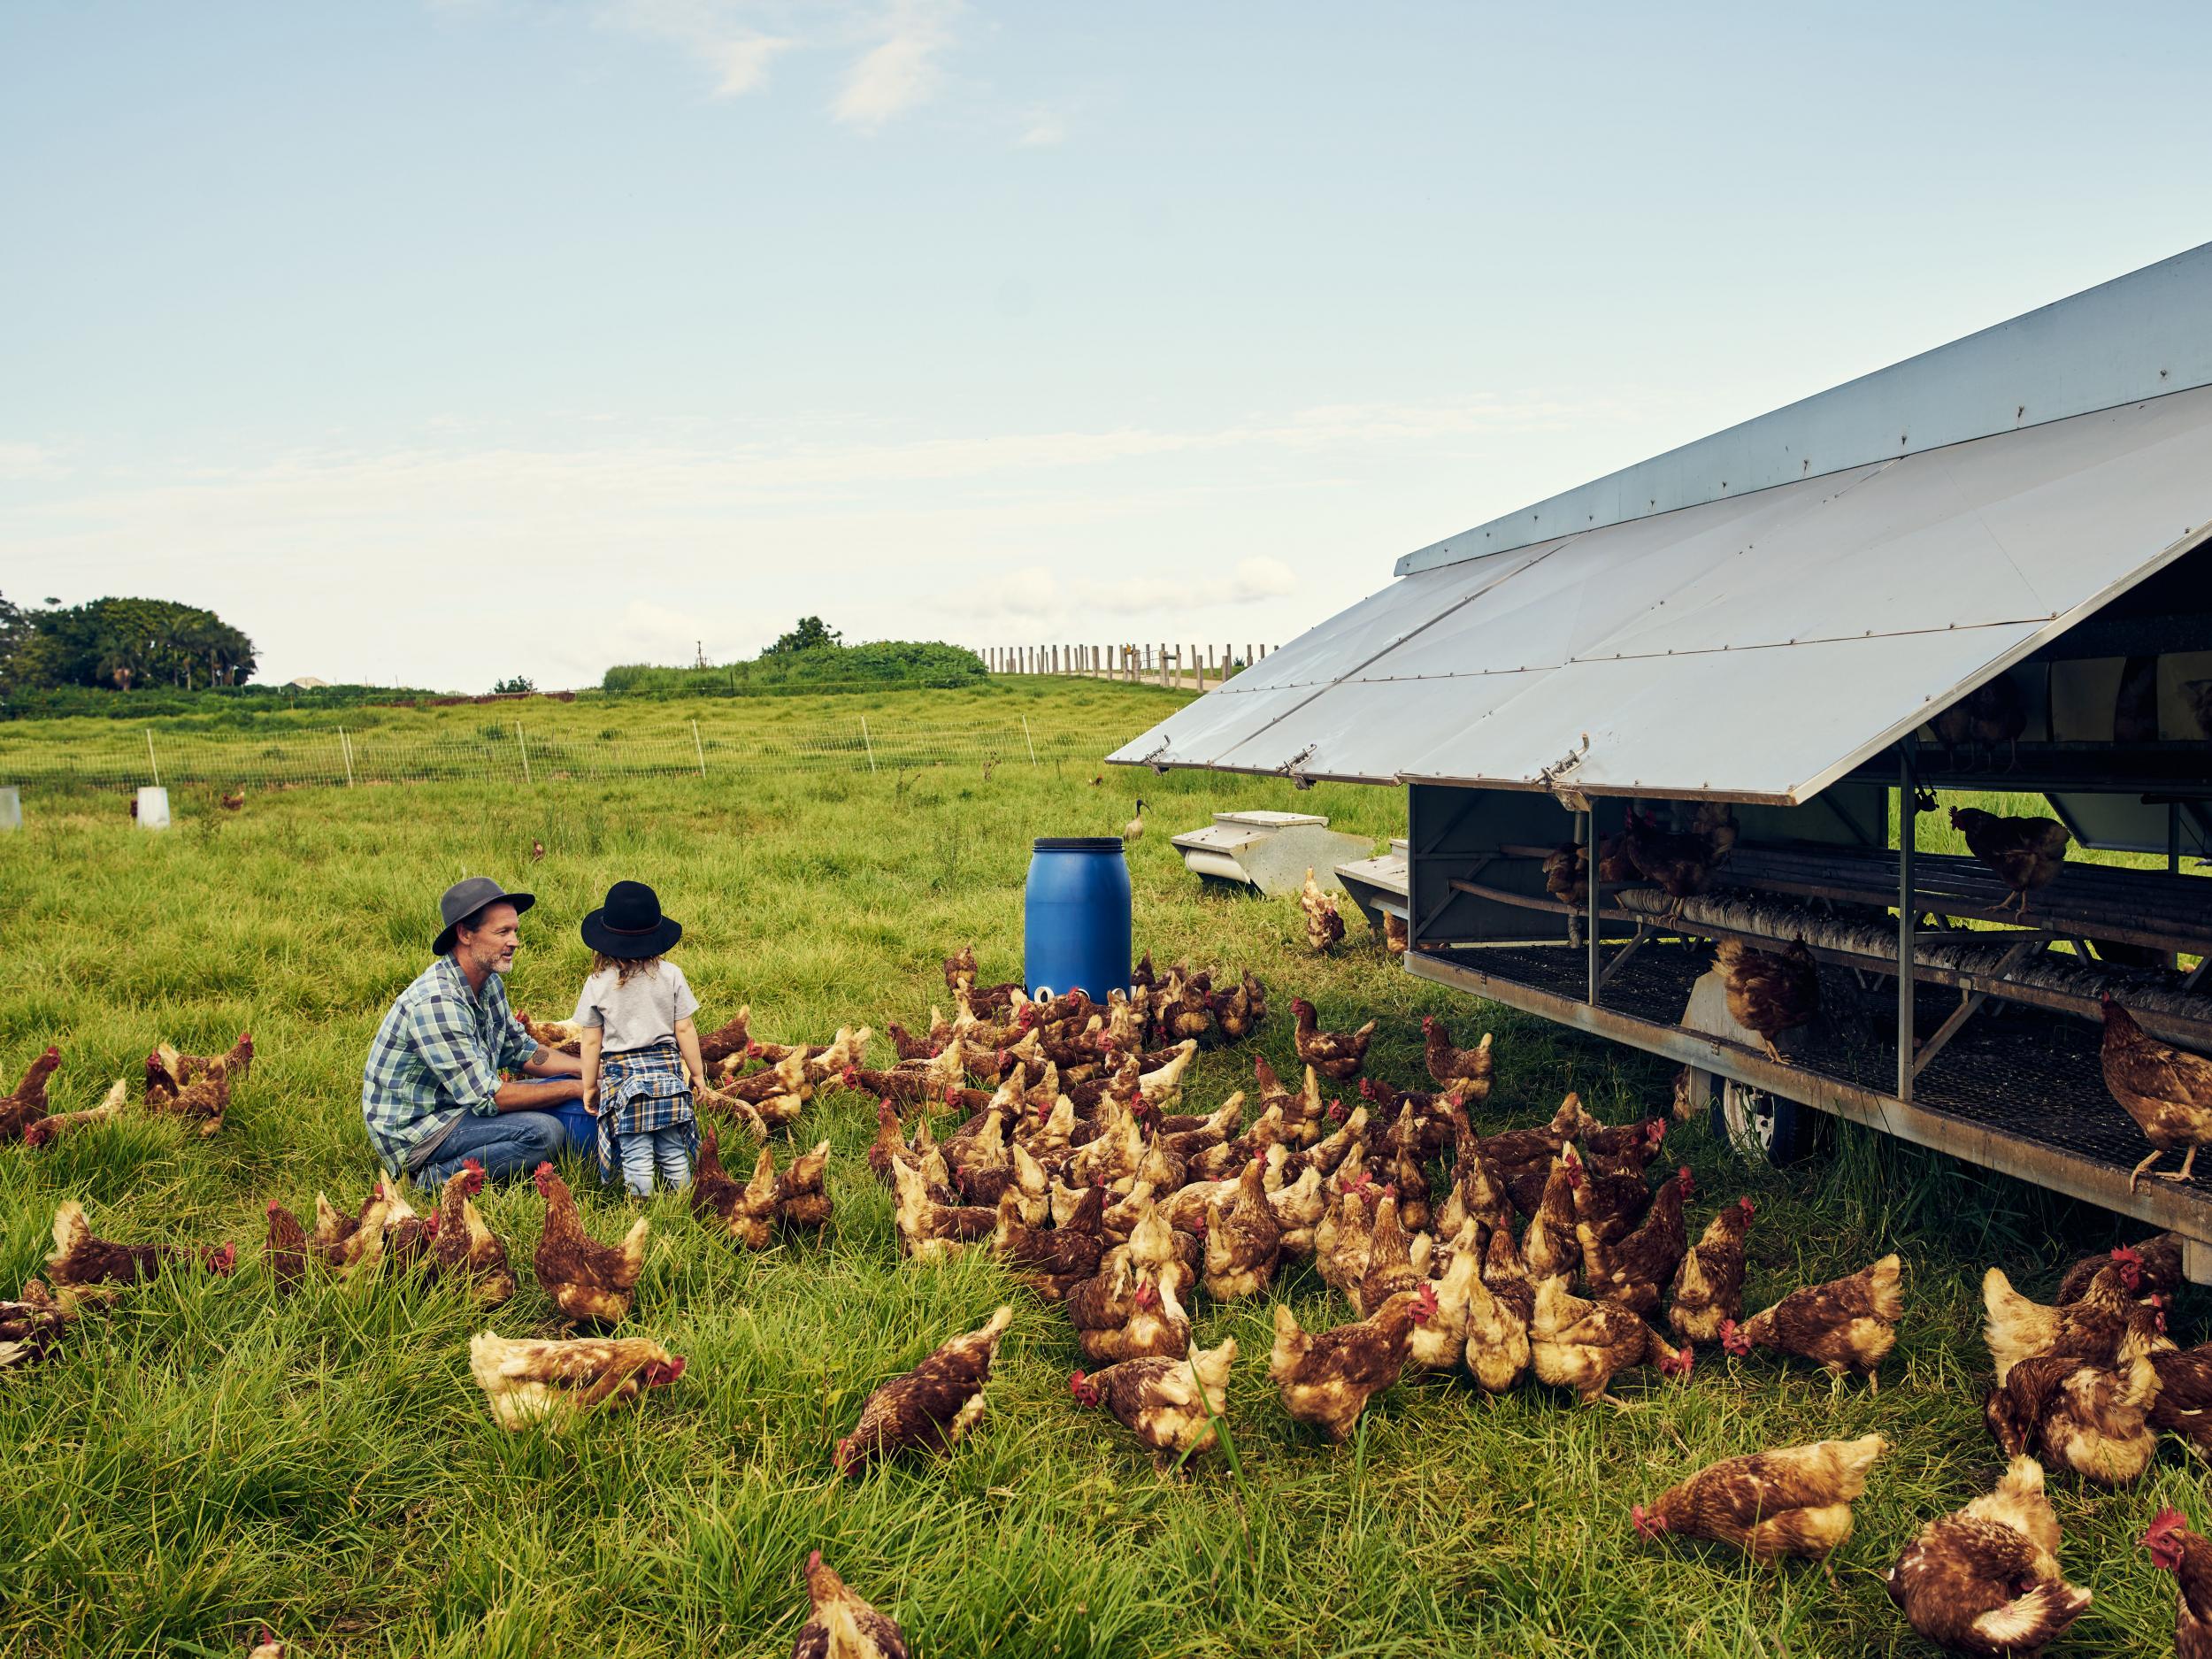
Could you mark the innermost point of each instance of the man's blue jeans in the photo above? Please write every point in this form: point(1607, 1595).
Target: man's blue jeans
point(512, 1143)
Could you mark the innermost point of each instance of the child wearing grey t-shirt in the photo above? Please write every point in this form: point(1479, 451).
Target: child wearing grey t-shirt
point(641, 1051)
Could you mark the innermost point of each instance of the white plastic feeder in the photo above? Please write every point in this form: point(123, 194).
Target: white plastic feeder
point(153, 808)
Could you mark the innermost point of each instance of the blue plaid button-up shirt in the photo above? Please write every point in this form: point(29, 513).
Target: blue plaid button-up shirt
point(438, 1054)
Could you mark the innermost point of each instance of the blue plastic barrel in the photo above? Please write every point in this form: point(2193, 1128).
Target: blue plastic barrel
point(1075, 916)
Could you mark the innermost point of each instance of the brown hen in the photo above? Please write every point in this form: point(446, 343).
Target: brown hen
point(465, 1247)
point(1848, 1325)
point(2167, 1091)
point(1795, 1500)
point(1984, 1579)
point(83, 1266)
point(1708, 1289)
point(2027, 853)
point(27, 1104)
point(588, 1281)
point(1170, 1404)
point(841, 1626)
point(1770, 992)
point(932, 1407)
point(1326, 1378)
point(2174, 1548)
point(527, 1382)
point(1335, 1055)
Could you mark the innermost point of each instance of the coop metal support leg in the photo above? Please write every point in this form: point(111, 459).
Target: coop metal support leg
point(1904, 929)
point(1590, 919)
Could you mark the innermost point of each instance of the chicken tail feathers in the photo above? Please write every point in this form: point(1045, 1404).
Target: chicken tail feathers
point(2026, 1623)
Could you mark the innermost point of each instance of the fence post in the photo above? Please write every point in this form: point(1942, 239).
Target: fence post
point(524, 750)
point(152, 764)
point(1030, 742)
point(699, 749)
point(345, 745)
point(871, 743)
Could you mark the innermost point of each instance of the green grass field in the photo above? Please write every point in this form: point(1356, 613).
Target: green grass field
point(208, 1456)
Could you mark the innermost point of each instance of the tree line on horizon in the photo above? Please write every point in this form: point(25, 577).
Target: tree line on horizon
point(122, 644)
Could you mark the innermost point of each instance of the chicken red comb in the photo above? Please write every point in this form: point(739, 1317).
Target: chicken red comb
point(2164, 1524)
point(1748, 1208)
point(813, 1559)
point(1688, 1180)
point(2127, 1254)
point(1646, 1524)
point(222, 1259)
point(1425, 1303)
point(274, 1206)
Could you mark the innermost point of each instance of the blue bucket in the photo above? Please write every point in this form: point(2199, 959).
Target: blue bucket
point(1075, 916)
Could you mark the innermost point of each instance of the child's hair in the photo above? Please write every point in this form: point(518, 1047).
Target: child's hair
point(626, 968)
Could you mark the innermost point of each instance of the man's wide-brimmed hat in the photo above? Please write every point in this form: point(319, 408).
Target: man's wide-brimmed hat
point(630, 924)
point(463, 899)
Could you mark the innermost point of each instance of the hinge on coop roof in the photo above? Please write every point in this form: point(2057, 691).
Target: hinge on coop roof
point(1298, 780)
point(1556, 778)
point(1153, 758)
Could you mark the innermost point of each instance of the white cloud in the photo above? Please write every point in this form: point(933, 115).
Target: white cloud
point(30, 460)
point(900, 71)
point(718, 32)
point(744, 62)
point(1044, 129)
point(1031, 594)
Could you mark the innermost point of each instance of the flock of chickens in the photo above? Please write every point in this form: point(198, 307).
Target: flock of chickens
point(1542, 1253)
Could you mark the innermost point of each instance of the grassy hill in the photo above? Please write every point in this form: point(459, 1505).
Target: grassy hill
point(207, 1457)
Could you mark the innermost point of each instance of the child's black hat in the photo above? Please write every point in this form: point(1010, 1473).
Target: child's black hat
point(630, 924)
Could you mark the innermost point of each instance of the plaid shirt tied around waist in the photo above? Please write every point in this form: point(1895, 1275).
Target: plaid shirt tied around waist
point(641, 1091)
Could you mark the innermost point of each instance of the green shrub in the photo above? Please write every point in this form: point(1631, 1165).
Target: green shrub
point(880, 665)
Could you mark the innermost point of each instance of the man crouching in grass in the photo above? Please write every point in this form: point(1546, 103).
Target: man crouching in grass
point(431, 1091)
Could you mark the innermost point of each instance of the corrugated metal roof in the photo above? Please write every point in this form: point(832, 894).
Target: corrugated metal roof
point(1757, 647)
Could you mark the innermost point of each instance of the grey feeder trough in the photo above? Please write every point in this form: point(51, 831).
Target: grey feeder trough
point(1378, 885)
point(1270, 850)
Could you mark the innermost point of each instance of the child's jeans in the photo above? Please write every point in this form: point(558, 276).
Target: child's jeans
point(656, 1149)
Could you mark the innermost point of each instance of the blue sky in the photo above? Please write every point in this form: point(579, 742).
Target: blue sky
point(621, 324)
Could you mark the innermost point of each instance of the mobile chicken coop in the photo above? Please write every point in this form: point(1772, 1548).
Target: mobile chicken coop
point(1776, 617)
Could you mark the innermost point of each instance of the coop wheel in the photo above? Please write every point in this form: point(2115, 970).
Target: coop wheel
point(1760, 1125)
